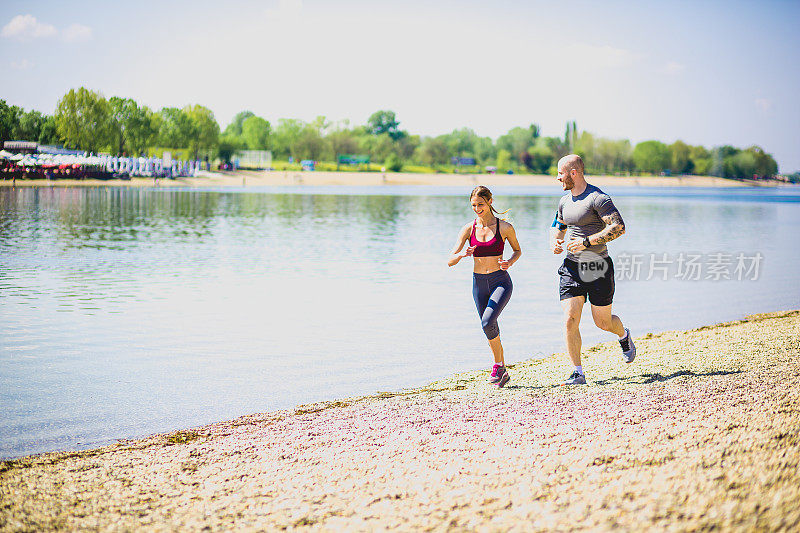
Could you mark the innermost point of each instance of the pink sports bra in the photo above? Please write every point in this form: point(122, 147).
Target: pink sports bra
point(492, 247)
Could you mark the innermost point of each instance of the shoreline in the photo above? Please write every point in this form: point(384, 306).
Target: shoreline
point(702, 431)
point(250, 178)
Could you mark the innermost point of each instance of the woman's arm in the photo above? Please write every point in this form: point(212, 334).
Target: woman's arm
point(457, 255)
point(511, 236)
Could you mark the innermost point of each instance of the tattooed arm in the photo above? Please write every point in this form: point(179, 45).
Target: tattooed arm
point(615, 227)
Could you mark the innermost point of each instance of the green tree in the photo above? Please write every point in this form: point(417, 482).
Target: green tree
point(131, 126)
point(379, 147)
point(228, 145)
point(342, 139)
point(460, 143)
point(385, 121)
point(82, 120)
point(700, 159)
point(49, 132)
point(765, 165)
point(236, 127)
point(651, 156)
point(204, 127)
point(742, 165)
point(255, 133)
point(484, 150)
point(286, 137)
point(571, 135)
point(503, 160)
point(612, 155)
point(9, 116)
point(680, 162)
point(175, 128)
point(518, 140)
point(310, 144)
point(432, 151)
point(406, 147)
point(142, 130)
point(465, 142)
point(29, 125)
point(541, 159)
point(557, 146)
point(393, 162)
point(722, 164)
point(584, 146)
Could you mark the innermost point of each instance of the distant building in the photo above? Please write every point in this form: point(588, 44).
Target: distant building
point(32, 147)
point(21, 147)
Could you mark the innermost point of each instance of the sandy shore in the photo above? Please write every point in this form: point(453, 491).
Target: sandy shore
point(278, 178)
point(701, 432)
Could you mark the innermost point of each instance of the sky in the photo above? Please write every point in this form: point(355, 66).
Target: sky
point(705, 72)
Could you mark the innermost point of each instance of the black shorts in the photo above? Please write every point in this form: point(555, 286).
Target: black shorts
point(599, 292)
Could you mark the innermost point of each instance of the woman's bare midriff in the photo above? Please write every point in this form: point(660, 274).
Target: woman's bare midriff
point(486, 265)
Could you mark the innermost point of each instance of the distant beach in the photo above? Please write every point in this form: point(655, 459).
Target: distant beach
point(702, 432)
point(278, 178)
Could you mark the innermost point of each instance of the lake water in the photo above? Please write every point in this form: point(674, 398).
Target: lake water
point(125, 312)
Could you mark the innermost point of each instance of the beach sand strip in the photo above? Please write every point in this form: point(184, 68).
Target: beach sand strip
point(276, 178)
point(701, 432)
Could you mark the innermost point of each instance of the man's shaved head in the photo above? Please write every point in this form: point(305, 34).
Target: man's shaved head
point(568, 162)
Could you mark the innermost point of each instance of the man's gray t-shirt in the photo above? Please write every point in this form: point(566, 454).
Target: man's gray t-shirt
point(583, 216)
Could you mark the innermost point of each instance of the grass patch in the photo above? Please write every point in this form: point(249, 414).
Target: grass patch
point(305, 410)
point(182, 437)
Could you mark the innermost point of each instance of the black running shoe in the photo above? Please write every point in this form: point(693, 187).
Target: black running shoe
point(576, 378)
point(628, 348)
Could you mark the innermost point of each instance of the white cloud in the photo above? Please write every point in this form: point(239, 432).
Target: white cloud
point(76, 33)
point(26, 27)
point(23, 64)
point(763, 104)
point(673, 67)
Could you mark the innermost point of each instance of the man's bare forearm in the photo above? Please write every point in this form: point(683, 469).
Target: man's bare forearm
point(615, 227)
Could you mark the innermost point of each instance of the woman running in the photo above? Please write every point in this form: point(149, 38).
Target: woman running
point(491, 284)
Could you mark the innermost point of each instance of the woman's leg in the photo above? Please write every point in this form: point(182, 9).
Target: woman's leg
point(497, 302)
point(497, 350)
point(481, 295)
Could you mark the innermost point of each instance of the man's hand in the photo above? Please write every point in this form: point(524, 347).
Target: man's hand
point(557, 245)
point(575, 246)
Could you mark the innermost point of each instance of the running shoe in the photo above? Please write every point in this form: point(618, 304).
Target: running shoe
point(628, 348)
point(499, 375)
point(576, 378)
point(493, 375)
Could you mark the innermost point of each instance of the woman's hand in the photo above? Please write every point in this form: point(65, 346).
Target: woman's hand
point(467, 251)
point(504, 264)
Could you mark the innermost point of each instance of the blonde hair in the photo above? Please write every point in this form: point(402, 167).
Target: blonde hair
point(486, 194)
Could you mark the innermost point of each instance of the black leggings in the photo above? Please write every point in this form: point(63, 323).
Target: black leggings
point(491, 293)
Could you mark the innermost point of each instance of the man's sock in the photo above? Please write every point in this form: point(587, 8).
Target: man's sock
point(579, 369)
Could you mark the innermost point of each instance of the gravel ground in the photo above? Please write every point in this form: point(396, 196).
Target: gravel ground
point(701, 432)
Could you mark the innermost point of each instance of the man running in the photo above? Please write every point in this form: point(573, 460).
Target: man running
point(588, 216)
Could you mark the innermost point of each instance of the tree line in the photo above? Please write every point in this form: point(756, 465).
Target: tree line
point(86, 120)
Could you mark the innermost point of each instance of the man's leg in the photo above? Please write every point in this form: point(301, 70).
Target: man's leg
point(604, 320)
point(572, 319)
point(608, 322)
